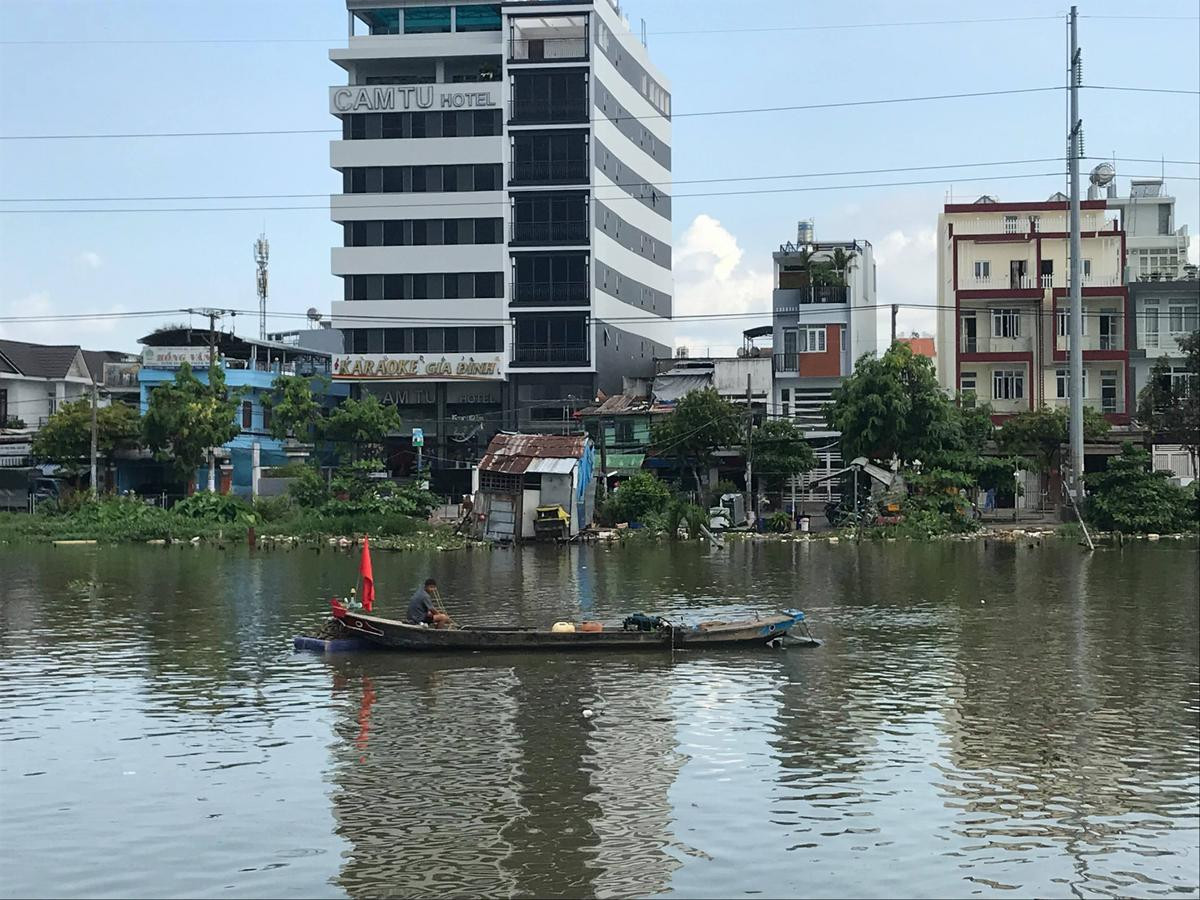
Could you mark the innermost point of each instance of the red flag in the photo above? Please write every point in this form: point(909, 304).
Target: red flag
point(368, 578)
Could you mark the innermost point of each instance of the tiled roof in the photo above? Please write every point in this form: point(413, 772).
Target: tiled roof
point(39, 360)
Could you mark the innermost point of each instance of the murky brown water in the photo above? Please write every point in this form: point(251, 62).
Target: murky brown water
point(982, 720)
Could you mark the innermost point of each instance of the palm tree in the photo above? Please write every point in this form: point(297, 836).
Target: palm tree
point(841, 262)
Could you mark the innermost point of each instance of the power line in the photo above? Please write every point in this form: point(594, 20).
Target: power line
point(1011, 162)
point(1008, 162)
point(501, 202)
point(338, 40)
point(677, 115)
point(845, 104)
point(803, 310)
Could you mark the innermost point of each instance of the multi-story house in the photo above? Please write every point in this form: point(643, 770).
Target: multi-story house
point(506, 218)
point(1165, 312)
point(1003, 306)
point(1156, 246)
point(824, 317)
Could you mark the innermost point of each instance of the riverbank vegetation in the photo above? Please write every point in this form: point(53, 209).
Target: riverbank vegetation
point(351, 503)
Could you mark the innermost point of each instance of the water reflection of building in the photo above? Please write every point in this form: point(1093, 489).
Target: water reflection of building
point(479, 777)
point(423, 778)
point(1080, 718)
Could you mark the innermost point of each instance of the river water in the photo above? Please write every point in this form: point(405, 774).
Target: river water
point(983, 719)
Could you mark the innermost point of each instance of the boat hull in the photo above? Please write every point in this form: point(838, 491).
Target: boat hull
point(396, 635)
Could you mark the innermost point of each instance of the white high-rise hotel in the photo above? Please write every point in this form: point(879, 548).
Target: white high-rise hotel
point(506, 211)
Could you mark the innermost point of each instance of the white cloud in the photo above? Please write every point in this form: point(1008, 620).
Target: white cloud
point(711, 277)
point(906, 262)
point(91, 259)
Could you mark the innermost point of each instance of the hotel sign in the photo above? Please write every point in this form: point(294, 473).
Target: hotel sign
point(174, 357)
point(412, 97)
point(418, 367)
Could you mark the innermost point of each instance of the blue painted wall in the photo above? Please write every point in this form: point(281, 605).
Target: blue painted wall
point(256, 384)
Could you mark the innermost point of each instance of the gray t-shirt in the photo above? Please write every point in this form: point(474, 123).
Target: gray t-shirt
point(419, 607)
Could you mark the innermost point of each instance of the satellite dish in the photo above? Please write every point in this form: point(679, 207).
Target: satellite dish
point(1103, 174)
point(314, 314)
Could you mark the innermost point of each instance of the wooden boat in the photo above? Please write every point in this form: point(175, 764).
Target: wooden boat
point(662, 635)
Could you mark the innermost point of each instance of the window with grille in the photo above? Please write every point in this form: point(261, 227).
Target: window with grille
point(1008, 384)
point(1006, 323)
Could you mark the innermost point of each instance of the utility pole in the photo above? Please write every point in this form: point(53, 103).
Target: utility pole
point(95, 487)
point(895, 309)
point(213, 315)
point(751, 506)
point(1075, 75)
point(603, 462)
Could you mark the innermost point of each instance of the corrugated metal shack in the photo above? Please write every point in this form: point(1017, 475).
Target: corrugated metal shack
point(520, 472)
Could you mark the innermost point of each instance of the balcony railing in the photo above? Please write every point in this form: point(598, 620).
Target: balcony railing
point(546, 112)
point(550, 172)
point(999, 224)
point(546, 355)
point(997, 283)
point(822, 294)
point(548, 293)
point(567, 232)
point(558, 49)
point(988, 344)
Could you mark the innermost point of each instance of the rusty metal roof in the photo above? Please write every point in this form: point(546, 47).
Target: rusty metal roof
point(512, 454)
point(625, 405)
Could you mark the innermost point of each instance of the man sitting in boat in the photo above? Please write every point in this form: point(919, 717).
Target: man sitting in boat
point(421, 610)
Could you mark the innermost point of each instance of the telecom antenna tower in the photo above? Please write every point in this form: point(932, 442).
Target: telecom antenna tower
point(262, 250)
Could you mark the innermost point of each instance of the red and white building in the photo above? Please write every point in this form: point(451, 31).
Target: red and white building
point(1003, 306)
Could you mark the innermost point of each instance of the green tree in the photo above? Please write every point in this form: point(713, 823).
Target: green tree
point(66, 438)
point(892, 406)
point(640, 494)
point(1159, 401)
point(701, 423)
point(187, 419)
point(1189, 406)
point(1039, 434)
point(357, 427)
point(295, 412)
point(780, 452)
point(841, 263)
point(1128, 496)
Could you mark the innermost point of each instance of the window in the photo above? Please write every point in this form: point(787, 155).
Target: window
point(247, 415)
point(1150, 323)
point(1062, 384)
point(983, 270)
point(1087, 268)
point(1063, 319)
point(1164, 218)
point(967, 387)
point(785, 403)
point(481, 17)
point(842, 336)
point(426, 20)
point(1008, 384)
point(1012, 225)
point(624, 432)
point(424, 286)
point(1006, 323)
point(3, 407)
point(814, 339)
point(1181, 318)
point(1110, 330)
point(266, 414)
point(1108, 390)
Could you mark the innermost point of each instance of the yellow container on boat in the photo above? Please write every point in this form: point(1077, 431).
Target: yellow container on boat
point(562, 627)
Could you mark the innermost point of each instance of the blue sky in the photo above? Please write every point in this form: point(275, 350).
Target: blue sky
point(73, 263)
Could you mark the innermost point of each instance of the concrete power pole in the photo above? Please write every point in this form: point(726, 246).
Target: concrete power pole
point(1075, 393)
point(895, 309)
point(751, 505)
point(95, 486)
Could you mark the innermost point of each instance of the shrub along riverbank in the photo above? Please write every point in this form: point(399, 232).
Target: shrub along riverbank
point(354, 506)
